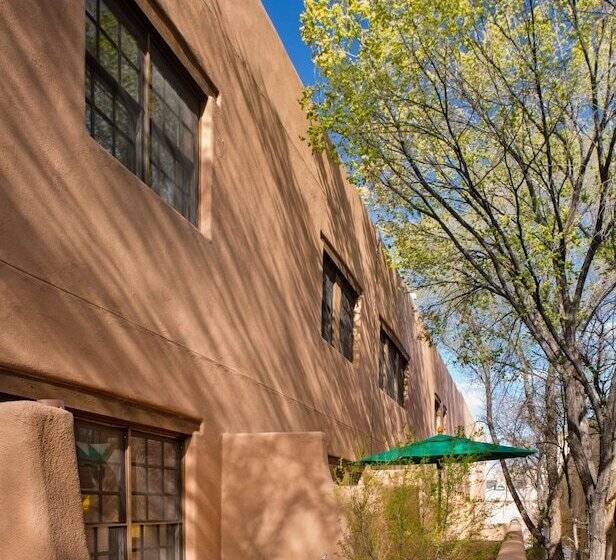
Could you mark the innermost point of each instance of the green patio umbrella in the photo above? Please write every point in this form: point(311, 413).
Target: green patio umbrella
point(437, 448)
point(441, 447)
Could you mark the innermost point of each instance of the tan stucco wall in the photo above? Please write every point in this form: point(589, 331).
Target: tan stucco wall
point(278, 497)
point(40, 502)
point(113, 302)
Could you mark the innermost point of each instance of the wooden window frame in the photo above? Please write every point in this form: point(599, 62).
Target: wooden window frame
point(341, 287)
point(128, 430)
point(385, 337)
point(148, 41)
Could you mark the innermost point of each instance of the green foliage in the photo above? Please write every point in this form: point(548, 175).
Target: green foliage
point(483, 135)
point(393, 515)
point(481, 131)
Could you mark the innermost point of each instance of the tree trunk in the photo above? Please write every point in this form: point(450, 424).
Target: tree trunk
point(553, 468)
point(597, 529)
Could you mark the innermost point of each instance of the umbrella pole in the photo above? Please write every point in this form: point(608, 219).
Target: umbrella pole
point(439, 495)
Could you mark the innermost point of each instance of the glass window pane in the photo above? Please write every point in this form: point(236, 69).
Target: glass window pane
point(91, 8)
point(125, 151)
point(108, 56)
point(91, 538)
point(88, 84)
point(130, 80)
point(90, 36)
point(116, 77)
point(139, 479)
point(155, 508)
point(158, 111)
point(327, 298)
point(137, 447)
point(102, 539)
point(139, 507)
point(171, 508)
point(171, 452)
point(136, 536)
point(150, 536)
point(109, 22)
point(130, 47)
point(170, 481)
point(155, 452)
point(347, 308)
point(112, 476)
point(103, 133)
point(155, 481)
point(174, 120)
point(123, 119)
point(88, 477)
point(111, 508)
point(103, 100)
point(91, 508)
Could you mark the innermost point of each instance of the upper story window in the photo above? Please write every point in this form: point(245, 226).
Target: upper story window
point(392, 368)
point(140, 106)
point(337, 308)
point(138, 507)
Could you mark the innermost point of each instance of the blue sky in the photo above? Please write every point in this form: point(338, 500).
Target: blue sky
point(285, 17)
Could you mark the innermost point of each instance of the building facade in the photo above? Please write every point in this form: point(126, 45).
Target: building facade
point(181, 270)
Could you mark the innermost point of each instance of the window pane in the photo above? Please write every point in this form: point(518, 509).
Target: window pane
point(100, 458)
point(130, 79)
point(125, 151)
point(347, 310)
point(108, 56)
point(103, 100)
point(392, 369)
point(91, 8)
point(171, 454)
point(130, 48)
point(329, 275)
point(109, 22)
point(113, 82)
point(103, 133)
point(382, 350)
point(90, 36)
point(173, 148)
point(155, 483)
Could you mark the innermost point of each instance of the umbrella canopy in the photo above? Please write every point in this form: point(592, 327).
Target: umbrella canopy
point(437, 448)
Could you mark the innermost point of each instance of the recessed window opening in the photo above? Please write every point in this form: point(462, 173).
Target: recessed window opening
point(131, 491)
point(141, 106)
point(338, 305)
point(392, 368)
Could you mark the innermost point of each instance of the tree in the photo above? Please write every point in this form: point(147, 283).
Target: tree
point(521, 407)
point(484, 131)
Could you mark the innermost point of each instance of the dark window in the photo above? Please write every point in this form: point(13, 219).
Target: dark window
point(392, 368)
point(337, 308)
point(151, 519)
point(139, 107)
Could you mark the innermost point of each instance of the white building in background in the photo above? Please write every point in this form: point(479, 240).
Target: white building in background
point(501, 505)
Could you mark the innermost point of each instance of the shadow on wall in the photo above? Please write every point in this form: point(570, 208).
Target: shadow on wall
point(104, 286)
point(278, 498)
point(125, 292)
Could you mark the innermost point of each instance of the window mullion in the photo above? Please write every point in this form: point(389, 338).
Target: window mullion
point(147, 80)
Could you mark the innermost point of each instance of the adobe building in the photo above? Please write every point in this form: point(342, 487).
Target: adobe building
point(206, 296)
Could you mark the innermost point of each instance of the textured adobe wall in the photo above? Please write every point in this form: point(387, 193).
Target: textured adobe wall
point(278, 498)
point(40, 504)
